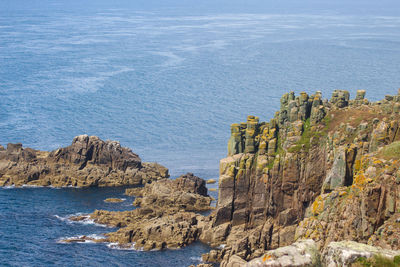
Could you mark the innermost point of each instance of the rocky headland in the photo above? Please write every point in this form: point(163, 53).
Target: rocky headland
point(88, 161)
point(326, 170)
point(317, 185)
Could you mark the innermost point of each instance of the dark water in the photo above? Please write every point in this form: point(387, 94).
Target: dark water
point(166, 78)
point(33, 219)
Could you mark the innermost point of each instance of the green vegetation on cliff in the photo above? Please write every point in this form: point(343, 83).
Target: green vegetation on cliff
point(391, 151)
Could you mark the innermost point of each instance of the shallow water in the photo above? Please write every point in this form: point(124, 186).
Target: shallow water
point(165, 78)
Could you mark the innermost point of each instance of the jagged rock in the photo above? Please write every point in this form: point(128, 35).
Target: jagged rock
point(317, 110)
point(88, 161)
point(346, 252)
point(163, 219)
point(191, 184)
point(136, 191)
point(340, 98)
point(187, 192)
point(363, 212)
point(168, 231)
point(235, 143)
point(152, 170)
point(384, 133)
point(234, 261)
point(337, 175)
point(360, 94)
point(215, 236)
point(92, 150)
point(250, 134)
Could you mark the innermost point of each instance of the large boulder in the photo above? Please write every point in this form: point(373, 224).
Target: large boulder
point(345, 253)
point(300, 254)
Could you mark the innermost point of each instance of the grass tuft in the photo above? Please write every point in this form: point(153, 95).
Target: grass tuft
point(391, 151)
point(377, 261)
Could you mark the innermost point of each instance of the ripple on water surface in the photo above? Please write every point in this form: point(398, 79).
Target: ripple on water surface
point(35, 220)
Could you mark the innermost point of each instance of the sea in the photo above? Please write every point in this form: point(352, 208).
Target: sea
point(166, 78)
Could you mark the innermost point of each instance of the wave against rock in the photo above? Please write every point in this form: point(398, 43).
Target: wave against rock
point(88, 161)
point(165, 218)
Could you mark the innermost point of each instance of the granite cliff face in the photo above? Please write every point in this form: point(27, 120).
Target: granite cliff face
point(317, 170)
point(88, 161)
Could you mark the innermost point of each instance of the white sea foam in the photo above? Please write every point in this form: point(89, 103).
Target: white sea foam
point(87, 220)
point(9, 187)
point(125, 247)
point(222, 246)
point(91, 240)
point(32, 186)
point(53, 187)
point(196, 259)
point(63, 240)
point(61, 218)
point(71, 186)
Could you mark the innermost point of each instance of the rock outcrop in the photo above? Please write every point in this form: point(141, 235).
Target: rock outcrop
point(300, 254)
point(316, 170)
point(304, 253)
point(165, 217)
point(347, 252)
point(88, 161)
point(187, 192)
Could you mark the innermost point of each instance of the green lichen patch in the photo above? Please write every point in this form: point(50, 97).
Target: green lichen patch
point(311, 136)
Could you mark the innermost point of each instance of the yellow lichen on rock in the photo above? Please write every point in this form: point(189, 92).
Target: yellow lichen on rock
point(318, 206)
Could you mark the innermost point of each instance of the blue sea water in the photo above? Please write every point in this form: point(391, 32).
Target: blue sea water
point(165, 78)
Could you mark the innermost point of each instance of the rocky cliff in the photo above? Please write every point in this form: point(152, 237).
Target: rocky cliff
point(321, 169)
point(88, 161)
point(317, 175)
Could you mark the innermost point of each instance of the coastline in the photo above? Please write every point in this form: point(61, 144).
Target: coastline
point(281, 181)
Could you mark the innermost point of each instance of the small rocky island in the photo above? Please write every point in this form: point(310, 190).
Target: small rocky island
point(88, 161)
point(317, 185)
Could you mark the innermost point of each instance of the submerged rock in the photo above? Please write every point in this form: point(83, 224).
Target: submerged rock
point(114, 200)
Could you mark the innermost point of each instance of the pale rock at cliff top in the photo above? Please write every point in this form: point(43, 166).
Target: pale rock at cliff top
point(344, 253)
